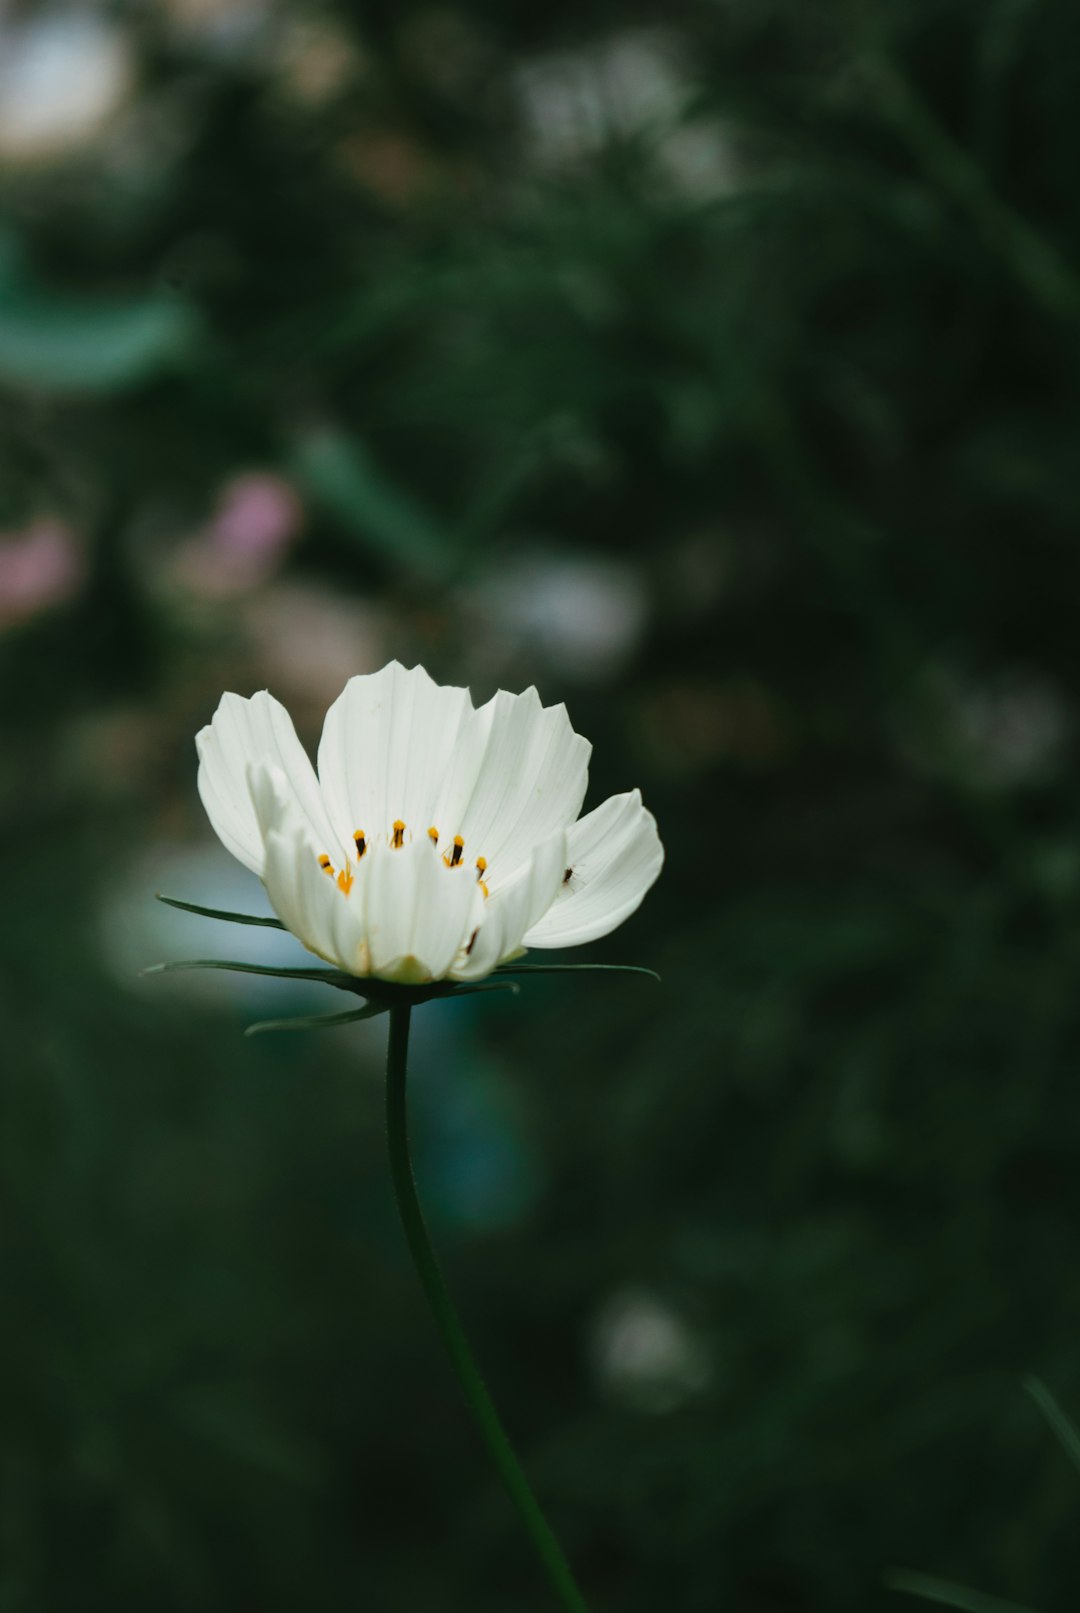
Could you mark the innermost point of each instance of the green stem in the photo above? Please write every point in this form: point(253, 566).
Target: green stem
point(453, 1334)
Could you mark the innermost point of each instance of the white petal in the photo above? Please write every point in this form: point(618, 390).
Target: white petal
point(243, 732)
point(615, 855)
point(419, 913)
point(509, 912)
point(386, 745)
point(305, 898)
point(528, 780)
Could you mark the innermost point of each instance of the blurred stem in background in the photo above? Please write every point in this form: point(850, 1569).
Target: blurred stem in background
point(449, 1325)
point(1032, 259)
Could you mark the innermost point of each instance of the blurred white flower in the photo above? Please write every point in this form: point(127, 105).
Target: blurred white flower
point(575, 101)
point(63, 74)
point(645, 1354)
point(999, 732)
point(437, 840)
point(630, 85)
point(582, 614)
point(315, 59)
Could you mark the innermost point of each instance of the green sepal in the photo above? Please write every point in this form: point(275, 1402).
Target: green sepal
point(575, 968)
point(379, 1005)
point(388, 992)
point(322, 977)
point(312, 1022)
point(218, 913)
point(468, 988)
point(380, 995)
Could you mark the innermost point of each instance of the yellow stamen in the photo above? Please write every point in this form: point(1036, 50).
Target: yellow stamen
point(399, 834)
point(361, 843)
point(485, 890)
point(455, 855)
point(433, 835)
point(325, 864)
point(344, 881)
point(481, 867)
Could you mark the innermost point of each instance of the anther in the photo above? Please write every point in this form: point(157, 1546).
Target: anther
point(455, 855)
point(433, 835)
point(566, 876)
point(481, 868)
point(399, 834)
point(361, 843)
point(344, 881)
point(325, 864)
point(472, 940)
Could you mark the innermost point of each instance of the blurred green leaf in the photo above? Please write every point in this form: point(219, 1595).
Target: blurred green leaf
point(55, 343)
point(340, 474)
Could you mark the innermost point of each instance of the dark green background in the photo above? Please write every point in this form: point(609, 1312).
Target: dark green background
point(819, 396)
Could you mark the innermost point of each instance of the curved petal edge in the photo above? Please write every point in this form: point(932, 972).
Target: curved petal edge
point(613, 857)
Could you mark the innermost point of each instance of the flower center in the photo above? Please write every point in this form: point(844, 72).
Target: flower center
point(453, 858)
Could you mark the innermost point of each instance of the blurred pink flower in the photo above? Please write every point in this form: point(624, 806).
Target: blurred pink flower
point(40, 566)
point(257, 518)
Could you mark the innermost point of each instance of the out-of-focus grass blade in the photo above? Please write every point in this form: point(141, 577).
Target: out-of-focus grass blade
point(314, 1022)
point(946, 1594)
point(218, 913)
point(1064, 1430)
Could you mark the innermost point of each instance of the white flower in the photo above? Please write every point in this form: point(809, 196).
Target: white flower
point(436, 840)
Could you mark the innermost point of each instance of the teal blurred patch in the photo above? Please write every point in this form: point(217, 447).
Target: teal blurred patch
point(62, 342)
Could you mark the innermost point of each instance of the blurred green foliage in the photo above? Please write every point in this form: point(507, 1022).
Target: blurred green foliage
point(775, 307)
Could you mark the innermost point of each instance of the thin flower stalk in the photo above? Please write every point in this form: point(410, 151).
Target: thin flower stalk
point(449, 1325)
